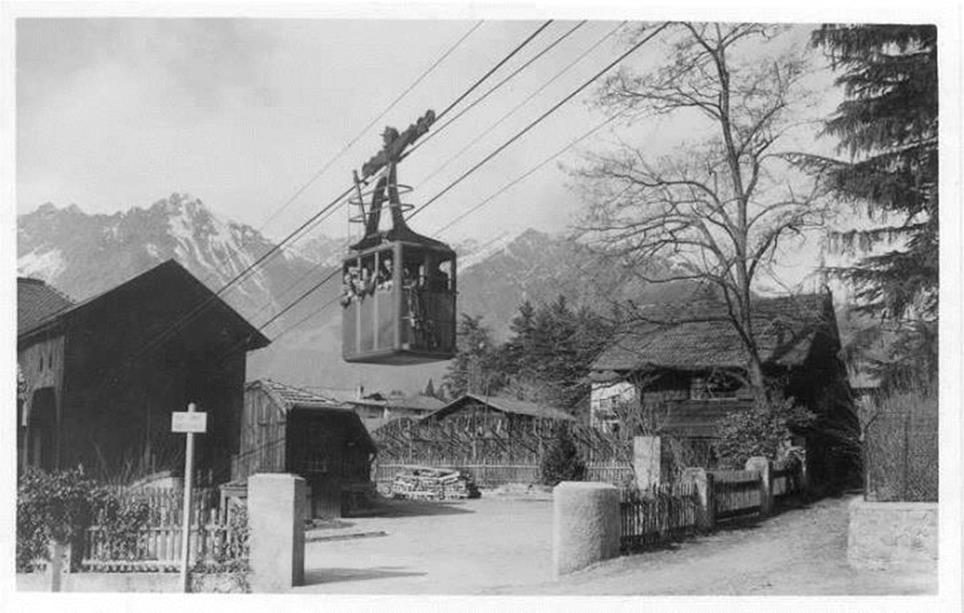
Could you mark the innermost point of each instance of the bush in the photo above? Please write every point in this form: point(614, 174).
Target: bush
point(56, 506)
point(561, 461)
point(765, 430)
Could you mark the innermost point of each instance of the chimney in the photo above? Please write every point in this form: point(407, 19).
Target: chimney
point(359, 392)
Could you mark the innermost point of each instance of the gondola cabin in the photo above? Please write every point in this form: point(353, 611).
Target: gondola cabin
point(398, 287)
point(399, 304)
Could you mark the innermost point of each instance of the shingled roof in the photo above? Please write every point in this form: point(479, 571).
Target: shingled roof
point(36, 302)
point(698, 335)
point(290, 397)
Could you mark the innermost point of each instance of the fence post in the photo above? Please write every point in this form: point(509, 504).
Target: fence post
point(703, 481)
point(765, 468)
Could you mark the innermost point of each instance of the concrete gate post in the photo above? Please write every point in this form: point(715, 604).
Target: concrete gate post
point(276, 515)
point(765, 468)
point(585, 526)
point(647, 461)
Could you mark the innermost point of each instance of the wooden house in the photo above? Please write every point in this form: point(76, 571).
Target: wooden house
point(293, 430)
point(101, 377)
point(513, 414)
point(681, 368)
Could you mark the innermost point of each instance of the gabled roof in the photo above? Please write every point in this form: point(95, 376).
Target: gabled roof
point(36, 302)
point(166, 271)
point(289, 397)
point(698, 336)
point(509, 406)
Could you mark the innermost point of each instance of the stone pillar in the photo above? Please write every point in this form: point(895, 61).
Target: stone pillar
point(765, 468)
point(276, 520)
point(585, 525)
point(646, 461)
point(706, 519)
point(58, 564)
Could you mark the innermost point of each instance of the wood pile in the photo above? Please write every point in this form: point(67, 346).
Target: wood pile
point(426, 483)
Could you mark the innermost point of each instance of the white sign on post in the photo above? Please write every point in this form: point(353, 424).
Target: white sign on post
point(185, 421)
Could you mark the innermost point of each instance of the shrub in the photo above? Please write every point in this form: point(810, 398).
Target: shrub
point(53, 506)
point(765, 430)
point(561, 461)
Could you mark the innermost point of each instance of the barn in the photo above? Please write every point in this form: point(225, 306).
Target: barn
point(293, 430)
point(101, 377)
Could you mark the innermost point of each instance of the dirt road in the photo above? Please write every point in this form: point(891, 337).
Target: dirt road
point(504, 546)
point(799, 552)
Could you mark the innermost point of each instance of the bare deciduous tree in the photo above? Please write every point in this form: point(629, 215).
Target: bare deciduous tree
point(719, 210)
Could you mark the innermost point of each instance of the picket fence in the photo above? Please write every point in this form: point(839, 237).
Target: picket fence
point(155, 548)
point(662, 513)
point(156, 545)
point(494, 475)
point(672, 511)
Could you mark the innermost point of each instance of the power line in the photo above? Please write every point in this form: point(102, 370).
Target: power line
point(512, 111)
point(387, 109)
point(539, 119)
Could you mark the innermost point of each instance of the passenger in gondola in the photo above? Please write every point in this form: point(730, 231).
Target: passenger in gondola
point(385, 275)
point(439, 281)
point(347, 287)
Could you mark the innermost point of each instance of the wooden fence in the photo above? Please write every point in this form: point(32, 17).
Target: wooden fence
point(155, 548)
point(671, 511)
point(664, 513)
point(494, 475)
point(156, 544)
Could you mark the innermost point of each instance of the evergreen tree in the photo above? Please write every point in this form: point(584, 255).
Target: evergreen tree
point(475, 367)
point(889, 126)
point(561, 461)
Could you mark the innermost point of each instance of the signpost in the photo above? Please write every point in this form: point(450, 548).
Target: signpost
point(188, 422)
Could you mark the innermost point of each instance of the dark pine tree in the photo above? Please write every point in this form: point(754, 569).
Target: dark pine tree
point(888, 125)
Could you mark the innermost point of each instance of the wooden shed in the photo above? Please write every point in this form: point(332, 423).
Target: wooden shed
point(293, 430)
point(101, 377)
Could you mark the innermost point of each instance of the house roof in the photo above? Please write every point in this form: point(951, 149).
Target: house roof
point(36, 302)
point(169, 271)
point(698, 336)
point(504, 404)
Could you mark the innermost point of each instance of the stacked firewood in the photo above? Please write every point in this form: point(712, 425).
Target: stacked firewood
point(426, 483)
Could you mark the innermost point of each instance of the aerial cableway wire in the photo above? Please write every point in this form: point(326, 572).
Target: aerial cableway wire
point(502, 147)
point(524, 101)
point(435, 131)
point(371, 123)
point(537, 121)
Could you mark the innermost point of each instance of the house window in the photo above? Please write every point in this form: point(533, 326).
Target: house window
point(716, 386)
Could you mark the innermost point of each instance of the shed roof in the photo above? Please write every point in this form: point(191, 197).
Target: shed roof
point(699, 336)
point(503, 404)
point(36, 302)
point(166, 272)
point(288, 398)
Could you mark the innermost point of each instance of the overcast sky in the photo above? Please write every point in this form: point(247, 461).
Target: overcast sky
point(114, 113)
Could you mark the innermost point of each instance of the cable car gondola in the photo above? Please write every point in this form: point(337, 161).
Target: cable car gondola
point(399, 286)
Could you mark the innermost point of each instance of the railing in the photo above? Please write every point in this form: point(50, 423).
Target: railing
point(664, 513)
point(492, 475)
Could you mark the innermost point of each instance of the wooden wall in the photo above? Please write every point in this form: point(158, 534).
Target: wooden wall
point(263, 428)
